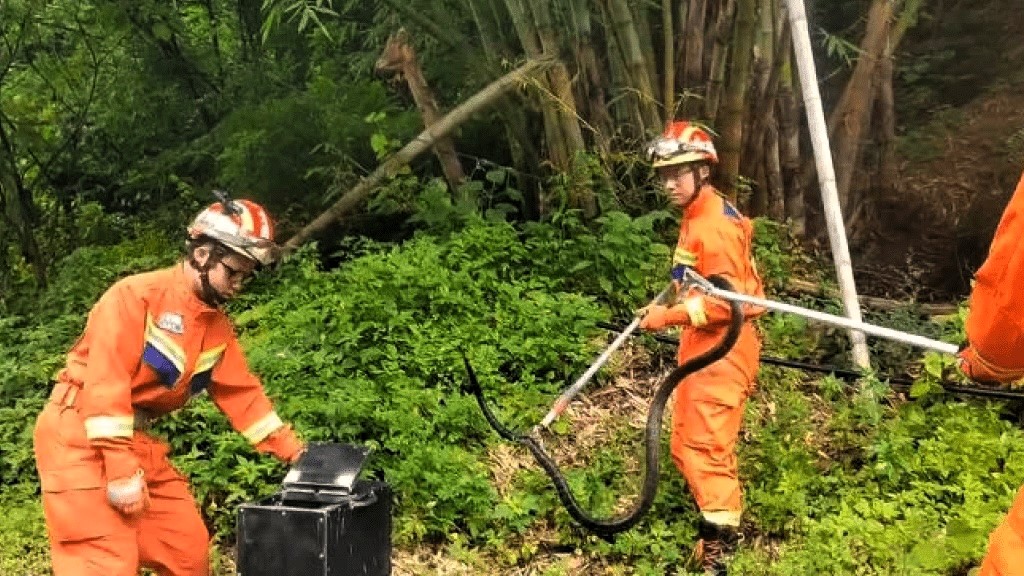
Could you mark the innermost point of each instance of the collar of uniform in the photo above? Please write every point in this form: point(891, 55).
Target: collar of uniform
point(184, 288)
point(704, 201)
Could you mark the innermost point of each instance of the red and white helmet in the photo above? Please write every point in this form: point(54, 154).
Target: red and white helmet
point(682, 142)
point(242, 226)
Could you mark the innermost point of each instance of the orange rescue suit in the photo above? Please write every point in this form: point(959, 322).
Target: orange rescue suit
point(149, 345)
point(995, 324)
point(714, 239)
point(995, 353)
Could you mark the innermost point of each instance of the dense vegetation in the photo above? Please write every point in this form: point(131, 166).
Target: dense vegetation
point(840, 479)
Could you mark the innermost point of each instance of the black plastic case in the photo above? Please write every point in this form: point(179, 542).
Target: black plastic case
point(323, 522)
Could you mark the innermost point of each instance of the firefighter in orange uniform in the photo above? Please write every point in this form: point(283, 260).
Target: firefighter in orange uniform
point(995, 353)
point(112, 500)
point(715, 239)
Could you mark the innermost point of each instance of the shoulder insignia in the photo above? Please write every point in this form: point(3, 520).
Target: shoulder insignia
point(171, 322)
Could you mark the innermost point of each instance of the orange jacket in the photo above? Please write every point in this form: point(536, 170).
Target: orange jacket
point(995, 324)
point(715, 239)
point(149, 345)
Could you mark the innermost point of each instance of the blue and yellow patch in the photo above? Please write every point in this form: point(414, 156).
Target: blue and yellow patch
point(202, 375)
point(162, 354)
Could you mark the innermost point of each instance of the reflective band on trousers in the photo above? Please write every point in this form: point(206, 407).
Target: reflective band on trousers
point(109, 427)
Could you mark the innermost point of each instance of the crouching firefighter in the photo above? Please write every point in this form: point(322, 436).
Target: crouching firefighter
point(995, 353)
point(715, 239)
point(112, 500)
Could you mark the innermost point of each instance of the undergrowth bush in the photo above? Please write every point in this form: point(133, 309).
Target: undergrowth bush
point(838, 479)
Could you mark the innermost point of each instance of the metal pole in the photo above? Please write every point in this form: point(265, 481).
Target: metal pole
point(563, 401)
point(826, 176)
point(863, 327)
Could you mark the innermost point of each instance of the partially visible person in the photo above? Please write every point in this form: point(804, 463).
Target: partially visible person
point(994, 352)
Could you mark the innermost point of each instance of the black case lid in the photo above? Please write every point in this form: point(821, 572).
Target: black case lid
point(327, 466)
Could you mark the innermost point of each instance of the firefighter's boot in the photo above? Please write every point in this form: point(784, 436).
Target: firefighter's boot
point(716, 547)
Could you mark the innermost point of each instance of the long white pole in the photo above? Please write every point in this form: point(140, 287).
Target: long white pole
point(827, 177)
point(563, 401)
point(862, 327)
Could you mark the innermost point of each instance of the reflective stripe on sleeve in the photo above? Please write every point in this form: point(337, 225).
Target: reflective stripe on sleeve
point(683, 257)
point(695, 308)
point(262, 428)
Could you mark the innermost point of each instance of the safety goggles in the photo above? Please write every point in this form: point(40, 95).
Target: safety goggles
point(236, 274)
point(664, 148)
point(261, 250)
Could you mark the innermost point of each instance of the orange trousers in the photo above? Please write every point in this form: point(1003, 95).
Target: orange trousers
point(706, 422)
point(1006, 544)
point(88, 537)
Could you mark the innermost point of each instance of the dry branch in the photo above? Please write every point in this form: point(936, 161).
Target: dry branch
point(426, 139)
point(799, 286)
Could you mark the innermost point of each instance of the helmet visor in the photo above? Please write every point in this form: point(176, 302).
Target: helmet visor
point(263, 251)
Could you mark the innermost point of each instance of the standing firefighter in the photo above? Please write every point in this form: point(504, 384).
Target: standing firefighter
point(715, 239)
point(113, 501)
point(995, 353)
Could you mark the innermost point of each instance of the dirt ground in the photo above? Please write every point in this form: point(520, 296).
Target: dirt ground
point(930, 239)
point(961, 149)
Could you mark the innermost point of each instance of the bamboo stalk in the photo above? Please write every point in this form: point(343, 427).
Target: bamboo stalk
point(853, 112)
point(625, 107)
point(423, 142)
point(719, 59)
point(642, 24)
point(762, 107)
point(669, 69)
point(774, 196)
point(731, 124)
point(622, 20)
point(693, 64)
point(590, 82)
point(561, 87)
point(789, 144)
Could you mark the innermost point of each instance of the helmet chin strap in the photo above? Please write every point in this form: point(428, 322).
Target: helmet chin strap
point(701, 180)
point(207, 293)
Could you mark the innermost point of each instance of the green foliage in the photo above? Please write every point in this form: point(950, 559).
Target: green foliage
point(278, 149)
point(838, 479)
point(23, 545)
point(780, 458)
point(774, 252)
point(619, 263)
point(937, 368)
point(934, 482)
point(913, 489)
point(305, 11)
